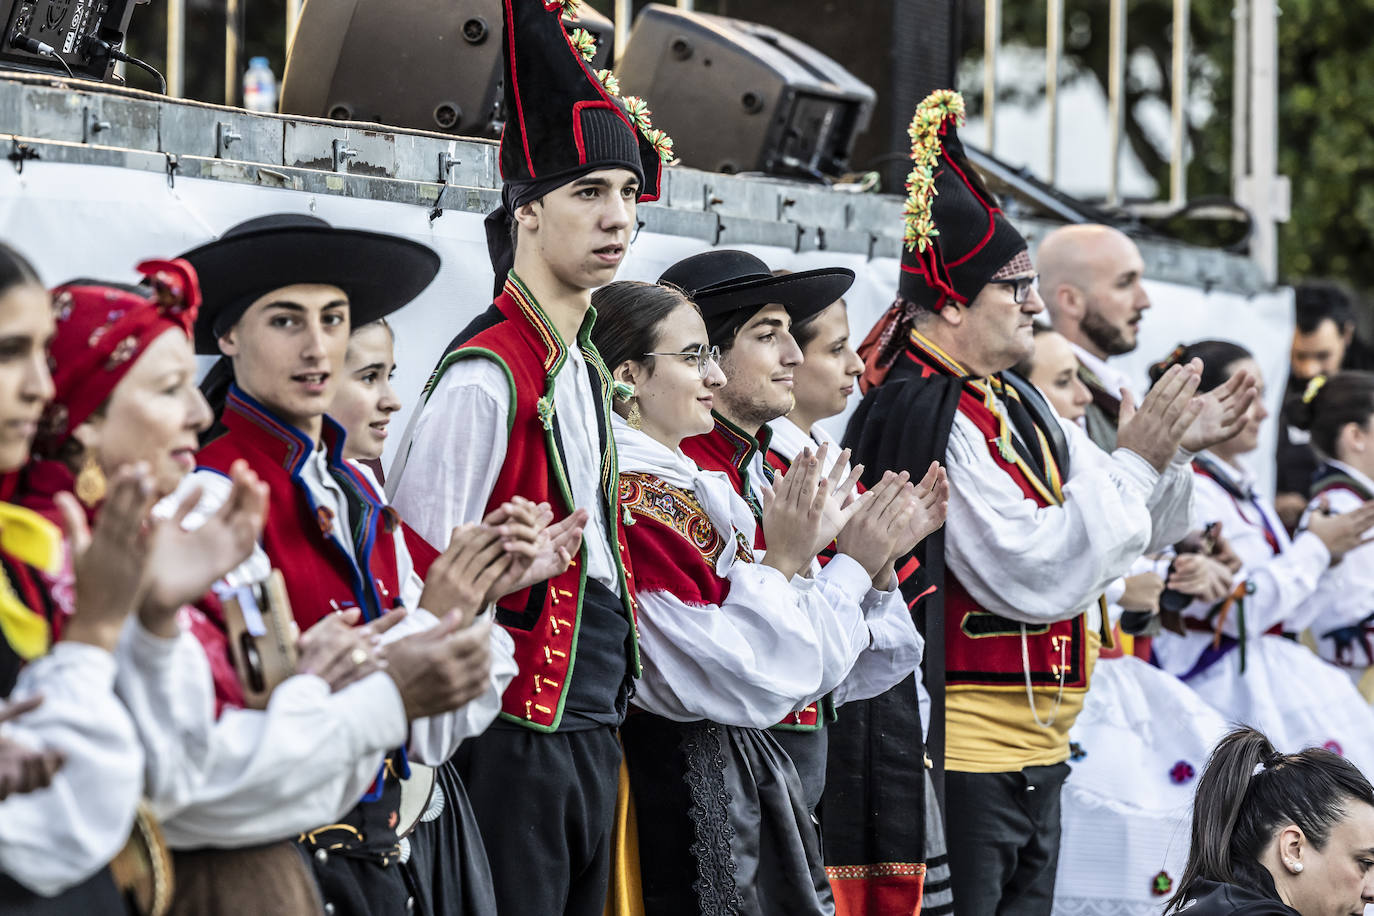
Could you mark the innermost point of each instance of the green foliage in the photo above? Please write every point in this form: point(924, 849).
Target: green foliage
point(1326, 112)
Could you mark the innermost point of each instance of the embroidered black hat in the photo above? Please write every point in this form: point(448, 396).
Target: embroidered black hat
point(956, 237)
point(724, 282)
point(562, 119)
point(379, 272)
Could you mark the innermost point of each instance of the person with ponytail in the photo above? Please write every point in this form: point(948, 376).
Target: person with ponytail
point(1278, 834)
point(1234, 652)
point(1128, 794)
point(1338, 414)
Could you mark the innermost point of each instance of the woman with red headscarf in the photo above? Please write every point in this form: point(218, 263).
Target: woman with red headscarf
point(55, 844)
point(232, 787)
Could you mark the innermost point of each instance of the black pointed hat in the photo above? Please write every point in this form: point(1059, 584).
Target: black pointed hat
point(562, 120)
point(956, 236)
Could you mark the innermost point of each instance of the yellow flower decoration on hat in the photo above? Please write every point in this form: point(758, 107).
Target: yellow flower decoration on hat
point(937, 108)
point(1315, 385)
point(638, 110)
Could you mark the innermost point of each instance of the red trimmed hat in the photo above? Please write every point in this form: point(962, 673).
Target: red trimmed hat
point(102, 329)
point(956, 235)
point(562, 119)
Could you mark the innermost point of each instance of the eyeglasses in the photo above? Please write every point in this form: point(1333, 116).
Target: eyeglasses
point(702, 357)
point(1020, 287)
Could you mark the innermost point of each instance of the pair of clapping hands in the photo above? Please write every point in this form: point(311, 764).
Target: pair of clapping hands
point(131, 561)
point(805, 510)
point(445, 667)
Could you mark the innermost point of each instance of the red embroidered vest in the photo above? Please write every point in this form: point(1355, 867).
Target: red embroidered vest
point(320, 575)
point(983, 649)
point(544, 620)
point(672, 540)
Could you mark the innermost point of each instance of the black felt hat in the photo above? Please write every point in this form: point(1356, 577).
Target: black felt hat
point(956, 237)
point(723, 282)
point(380, 273)
point(561, 119)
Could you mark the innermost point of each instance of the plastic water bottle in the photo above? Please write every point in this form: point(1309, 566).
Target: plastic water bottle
point(259, 86)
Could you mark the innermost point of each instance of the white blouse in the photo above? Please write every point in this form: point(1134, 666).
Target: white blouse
point(746, 662)
point(252, 776)
point(1277, 584)
point(1345, 593)
point(55, 838)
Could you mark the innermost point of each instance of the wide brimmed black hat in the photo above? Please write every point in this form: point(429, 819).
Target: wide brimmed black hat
point(380, 273)
point(956, 237)
point(724, 282)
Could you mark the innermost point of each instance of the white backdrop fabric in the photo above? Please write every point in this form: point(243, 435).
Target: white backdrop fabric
point(99, 221)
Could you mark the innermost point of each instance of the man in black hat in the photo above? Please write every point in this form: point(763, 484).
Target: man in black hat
point(749, 312)
point(280, 294)
point(1040, 520)
point(520, 405)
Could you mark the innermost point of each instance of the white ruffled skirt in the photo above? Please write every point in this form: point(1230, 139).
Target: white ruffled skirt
point(1140, 744)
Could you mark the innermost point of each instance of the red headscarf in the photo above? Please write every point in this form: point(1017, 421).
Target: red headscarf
point(101, 331)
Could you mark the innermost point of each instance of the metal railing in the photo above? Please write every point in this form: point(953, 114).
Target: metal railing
point(1256, 184)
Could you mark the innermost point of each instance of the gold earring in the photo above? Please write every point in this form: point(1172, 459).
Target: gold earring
point(635, 418)
point(90, 482)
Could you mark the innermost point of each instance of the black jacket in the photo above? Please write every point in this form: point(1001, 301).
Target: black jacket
point(1212, 899)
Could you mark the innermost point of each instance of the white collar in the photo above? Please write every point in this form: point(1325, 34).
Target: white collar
point(730, 515)
point(1111, 378)
point(789, 439)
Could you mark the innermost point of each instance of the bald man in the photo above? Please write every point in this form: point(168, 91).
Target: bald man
point(1090, 279)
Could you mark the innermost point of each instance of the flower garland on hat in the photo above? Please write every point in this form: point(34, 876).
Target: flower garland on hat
point(584, 43)
point(927, 124)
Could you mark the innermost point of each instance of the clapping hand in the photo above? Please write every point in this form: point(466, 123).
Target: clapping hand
point(1223, 411)
point(1157, 427)
point(186, 563)
point(23, 769)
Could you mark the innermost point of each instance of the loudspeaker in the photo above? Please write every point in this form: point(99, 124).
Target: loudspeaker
point(65, 26)
point(741, 97)
point(903, 48)
point(423, 64)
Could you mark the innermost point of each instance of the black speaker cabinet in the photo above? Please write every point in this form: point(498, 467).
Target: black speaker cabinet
point(741, 97)
point(65, 26)
point(423, 64)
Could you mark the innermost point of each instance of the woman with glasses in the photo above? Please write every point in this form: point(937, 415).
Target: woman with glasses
point(726, 645)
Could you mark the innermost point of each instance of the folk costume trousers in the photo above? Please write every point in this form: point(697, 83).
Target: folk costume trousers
point(1003, 831)
point(546, 806)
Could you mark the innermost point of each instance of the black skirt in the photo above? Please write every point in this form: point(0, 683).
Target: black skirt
point(723, 825)
point(447, 857)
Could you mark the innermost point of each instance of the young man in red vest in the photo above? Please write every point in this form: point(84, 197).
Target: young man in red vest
point(1040, 520)
point(520, 404)
point(280, 294)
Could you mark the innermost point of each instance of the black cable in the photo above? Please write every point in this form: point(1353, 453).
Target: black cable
point(34, 46)
point(94, 45)
point(143, 65)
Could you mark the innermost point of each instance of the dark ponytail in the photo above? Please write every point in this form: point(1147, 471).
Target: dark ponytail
point(15, 270)
point(1218, 356)
point(1328, 404)
point(628, 315)
point(1247, 792)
